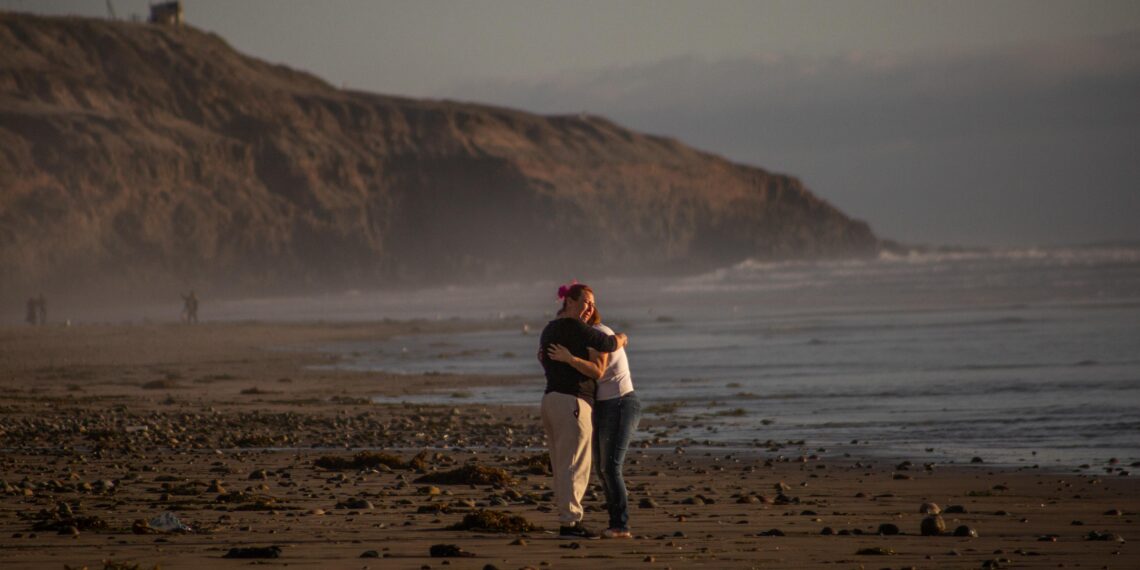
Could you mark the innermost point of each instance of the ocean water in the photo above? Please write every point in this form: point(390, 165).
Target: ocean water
point(1015, 356)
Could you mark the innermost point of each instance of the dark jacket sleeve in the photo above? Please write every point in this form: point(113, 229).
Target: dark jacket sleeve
point(599, 340)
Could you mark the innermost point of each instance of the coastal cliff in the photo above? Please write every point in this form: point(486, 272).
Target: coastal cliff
point(158, 156)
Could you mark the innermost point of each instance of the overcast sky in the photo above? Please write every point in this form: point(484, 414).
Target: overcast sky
point(984, 122)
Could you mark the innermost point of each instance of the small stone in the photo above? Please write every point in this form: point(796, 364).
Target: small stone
point(649, 558)
point(888, 529)
point(930, 509)
point(519, 542)
point(932, 525)
point(259, 475)
point(647, 503)
point(875, 551)
point(370, 554)
point(965, 531)
point(449, 551)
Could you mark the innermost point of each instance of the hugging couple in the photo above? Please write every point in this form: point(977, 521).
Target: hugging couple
point(589, 403)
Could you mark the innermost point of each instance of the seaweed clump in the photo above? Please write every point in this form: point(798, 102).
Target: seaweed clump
point(535, 464)
point(485, 520)
point(366, 460)
point(469, 475)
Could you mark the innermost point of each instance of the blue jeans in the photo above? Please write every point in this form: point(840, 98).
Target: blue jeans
point(614, 423)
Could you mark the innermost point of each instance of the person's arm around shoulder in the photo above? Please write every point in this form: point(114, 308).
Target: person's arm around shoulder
point(603, 342)
point(594, 367)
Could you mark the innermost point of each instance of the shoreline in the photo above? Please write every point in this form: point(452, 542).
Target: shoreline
point(130, 422)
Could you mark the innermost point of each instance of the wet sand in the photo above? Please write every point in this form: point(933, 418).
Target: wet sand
point(224, 426)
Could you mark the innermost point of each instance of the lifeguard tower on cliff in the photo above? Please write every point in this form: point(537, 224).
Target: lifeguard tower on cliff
point(166, 13)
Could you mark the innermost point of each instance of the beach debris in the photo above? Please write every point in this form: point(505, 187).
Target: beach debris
point(994, 563)
point(113, 565)
point(875, 551)
point(356, 503)
point(168, 522)
point(486, 520)
point(538, 464)
point(888, 529)
point(1104, 536)
point(966, 532)
point(254, 552)
point(449, 551)
point(932, 525)
point(930, 509)
point(362, 460)
point(469, 475)
point(64, 521)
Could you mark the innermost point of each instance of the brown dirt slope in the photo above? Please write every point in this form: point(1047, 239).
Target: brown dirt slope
point(133, 153)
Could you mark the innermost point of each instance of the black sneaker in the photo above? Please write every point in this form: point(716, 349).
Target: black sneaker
point(577, 531)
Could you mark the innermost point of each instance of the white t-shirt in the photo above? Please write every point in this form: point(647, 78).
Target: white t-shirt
point(616, 380)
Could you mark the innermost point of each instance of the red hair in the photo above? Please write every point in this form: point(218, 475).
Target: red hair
point(573, 291)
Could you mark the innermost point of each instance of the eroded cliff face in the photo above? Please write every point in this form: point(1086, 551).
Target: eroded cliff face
point(151, 156)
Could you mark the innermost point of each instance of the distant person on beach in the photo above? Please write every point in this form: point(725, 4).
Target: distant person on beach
point(32, 314)
point(617, 411)
point(41, 309)
point(190, 308)
point(567, 405)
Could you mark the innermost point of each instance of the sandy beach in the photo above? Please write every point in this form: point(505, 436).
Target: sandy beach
point(240, 434)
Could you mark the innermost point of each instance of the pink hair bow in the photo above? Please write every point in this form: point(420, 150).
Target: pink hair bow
point(564, 290)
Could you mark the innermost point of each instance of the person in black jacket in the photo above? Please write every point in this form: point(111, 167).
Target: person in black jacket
point(567, 405)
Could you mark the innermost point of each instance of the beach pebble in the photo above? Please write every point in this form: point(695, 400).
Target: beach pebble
point(977, 460)
point(930, 509)
point(649, 558)
point(449, 551)
point(875, 551)
point(827, 531)
point(254, 552)
point(647, 503)
point(259, 474)
point(1104, 536)
point(996, 563)
point(369, 554)
point(888, 529)
point(1113, 513)
point(933, 525)
point(954, 509)
point(965, 531)
point(519, 542)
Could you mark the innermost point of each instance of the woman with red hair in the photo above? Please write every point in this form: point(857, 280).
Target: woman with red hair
point(567, 405)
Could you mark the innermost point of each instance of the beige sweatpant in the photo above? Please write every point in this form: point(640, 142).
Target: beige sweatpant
point(569, 429)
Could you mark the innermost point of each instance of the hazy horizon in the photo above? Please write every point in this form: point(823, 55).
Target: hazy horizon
point(973, 123)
